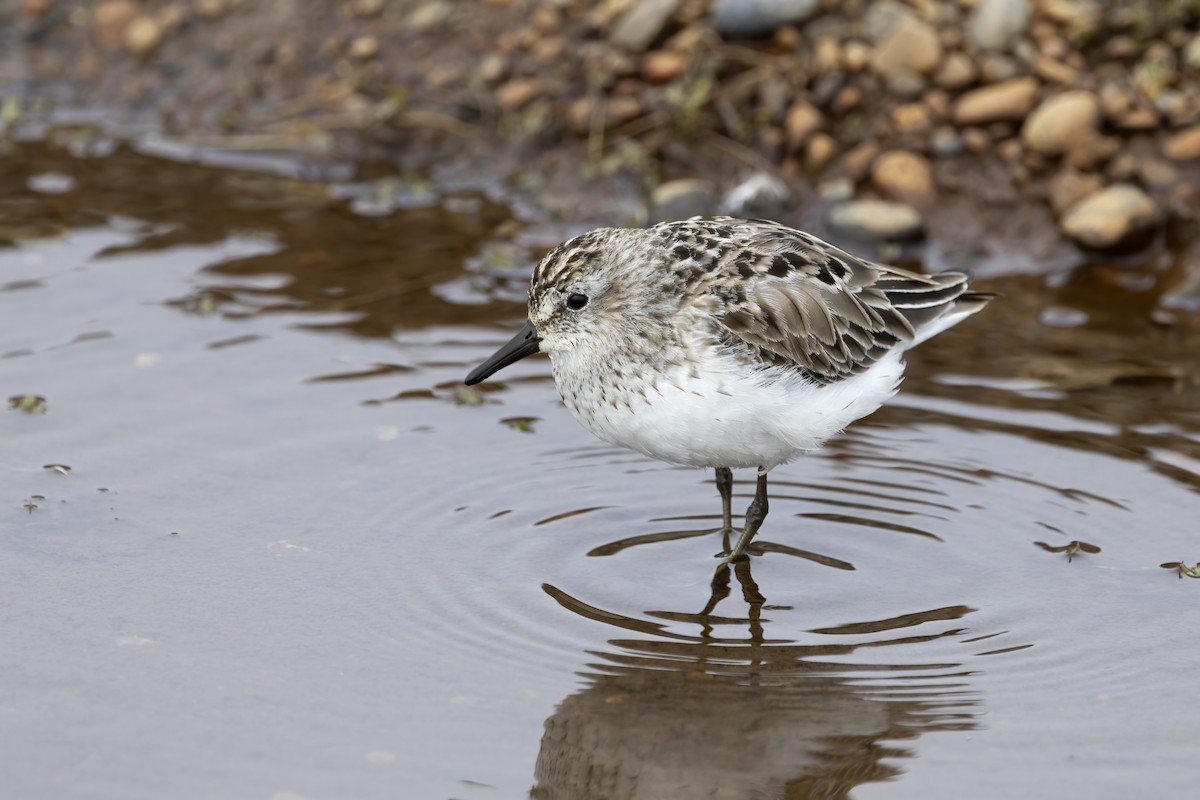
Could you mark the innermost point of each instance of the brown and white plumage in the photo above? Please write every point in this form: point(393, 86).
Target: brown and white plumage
point(724, 342)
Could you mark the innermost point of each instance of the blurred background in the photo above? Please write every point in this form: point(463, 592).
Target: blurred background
point(257, 539)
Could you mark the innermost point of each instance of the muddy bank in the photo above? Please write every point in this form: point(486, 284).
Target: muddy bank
point(1011, 134)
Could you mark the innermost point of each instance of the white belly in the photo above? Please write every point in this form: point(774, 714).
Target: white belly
point(725, 416)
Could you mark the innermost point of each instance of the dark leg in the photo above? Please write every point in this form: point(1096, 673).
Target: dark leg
point(725, 487)
point(754, 516)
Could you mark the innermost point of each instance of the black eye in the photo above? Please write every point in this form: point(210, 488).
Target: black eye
point(577, 301)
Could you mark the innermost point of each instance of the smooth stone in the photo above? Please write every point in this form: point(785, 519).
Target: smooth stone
point(904, 176)
point(682, 199)
point(1120, 217)
point(750, 19)
point(1060, 121)
point(1010, 100)
point(1183, 146)
point(957, 72)
point(911, 45)
point(638, 27)
point(1070, 186)
point(875, 221)
point(995, 23)
point(802, 121)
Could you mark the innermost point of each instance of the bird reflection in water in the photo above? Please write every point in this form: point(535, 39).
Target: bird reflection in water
point(667, 714)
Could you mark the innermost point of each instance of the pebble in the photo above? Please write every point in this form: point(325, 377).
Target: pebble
point(803, 119)
point(820, 150)
point(875, 221)
point(1052, 71)
point(664, 66)
point(1069, 187)
point(110, 20)
point(1157, 174)
point(1121, 217)
point(857, 160)
point(1191, 53)
point(762, 195)
point(1183, 146)
point(957, 72)
point(517, 93)
point(751, 19)
point(904, 176)
point(996, 23)
point(911, 118)
point(1010, 100)
point(946, 141)
point(642, 23)
point(911, 45)
point(142, 36)
point(1092, 150)
point(682, 199)
point(363, 48)
point(1060, 121)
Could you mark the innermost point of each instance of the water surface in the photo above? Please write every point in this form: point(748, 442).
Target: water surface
point(260, 543)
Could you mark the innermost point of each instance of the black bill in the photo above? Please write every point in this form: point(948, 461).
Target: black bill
point(525, 343)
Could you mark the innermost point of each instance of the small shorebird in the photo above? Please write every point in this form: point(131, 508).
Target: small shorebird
point(725, 343)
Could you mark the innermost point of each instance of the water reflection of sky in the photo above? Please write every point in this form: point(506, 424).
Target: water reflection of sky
point(290, 556)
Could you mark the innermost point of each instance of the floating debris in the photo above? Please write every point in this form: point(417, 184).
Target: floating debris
point(1072, 548)
point(61, 469)
point(29, 403)
point(1183, 569)
point(523, 424)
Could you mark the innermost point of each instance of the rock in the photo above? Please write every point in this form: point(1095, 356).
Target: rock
point(736, 19)
point(1091, 151)
point(912, 118)
point(214, 9)
point(1069, 187)
point(911, 45)
point(492, 68)
point(904, 176)
point(875, 221)
point(856, 55)
point(1052, 71)
point(1010, 100)
point(1157, 174)
point(363, 48)
point(1183, 146)
point(957, 72)
point(1121, 217)
point(820, 151)
point(857, 160)
point(976, 140)
point(803, 119)
point(517, 93)
point(997, 67)
point(142, 36)
point(905, 84)
point(946, 141)
point(664, 66)
point(1076, 15)
point(110, 19)
point(1191, 53)
point(882, 16)
point(645, 20)
point(762, 195)
point(1060, 121)
point(362, 8)
point(682, 199)
point(995, 23)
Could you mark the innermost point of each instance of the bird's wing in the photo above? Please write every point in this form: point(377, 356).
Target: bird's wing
point(794, 299)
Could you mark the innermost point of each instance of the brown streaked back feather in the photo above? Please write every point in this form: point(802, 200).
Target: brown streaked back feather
point(795, 300)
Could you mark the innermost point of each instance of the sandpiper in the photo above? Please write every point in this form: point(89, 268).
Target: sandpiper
point(725, 343)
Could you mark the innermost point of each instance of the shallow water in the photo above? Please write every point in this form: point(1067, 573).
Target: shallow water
point(283, 554)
